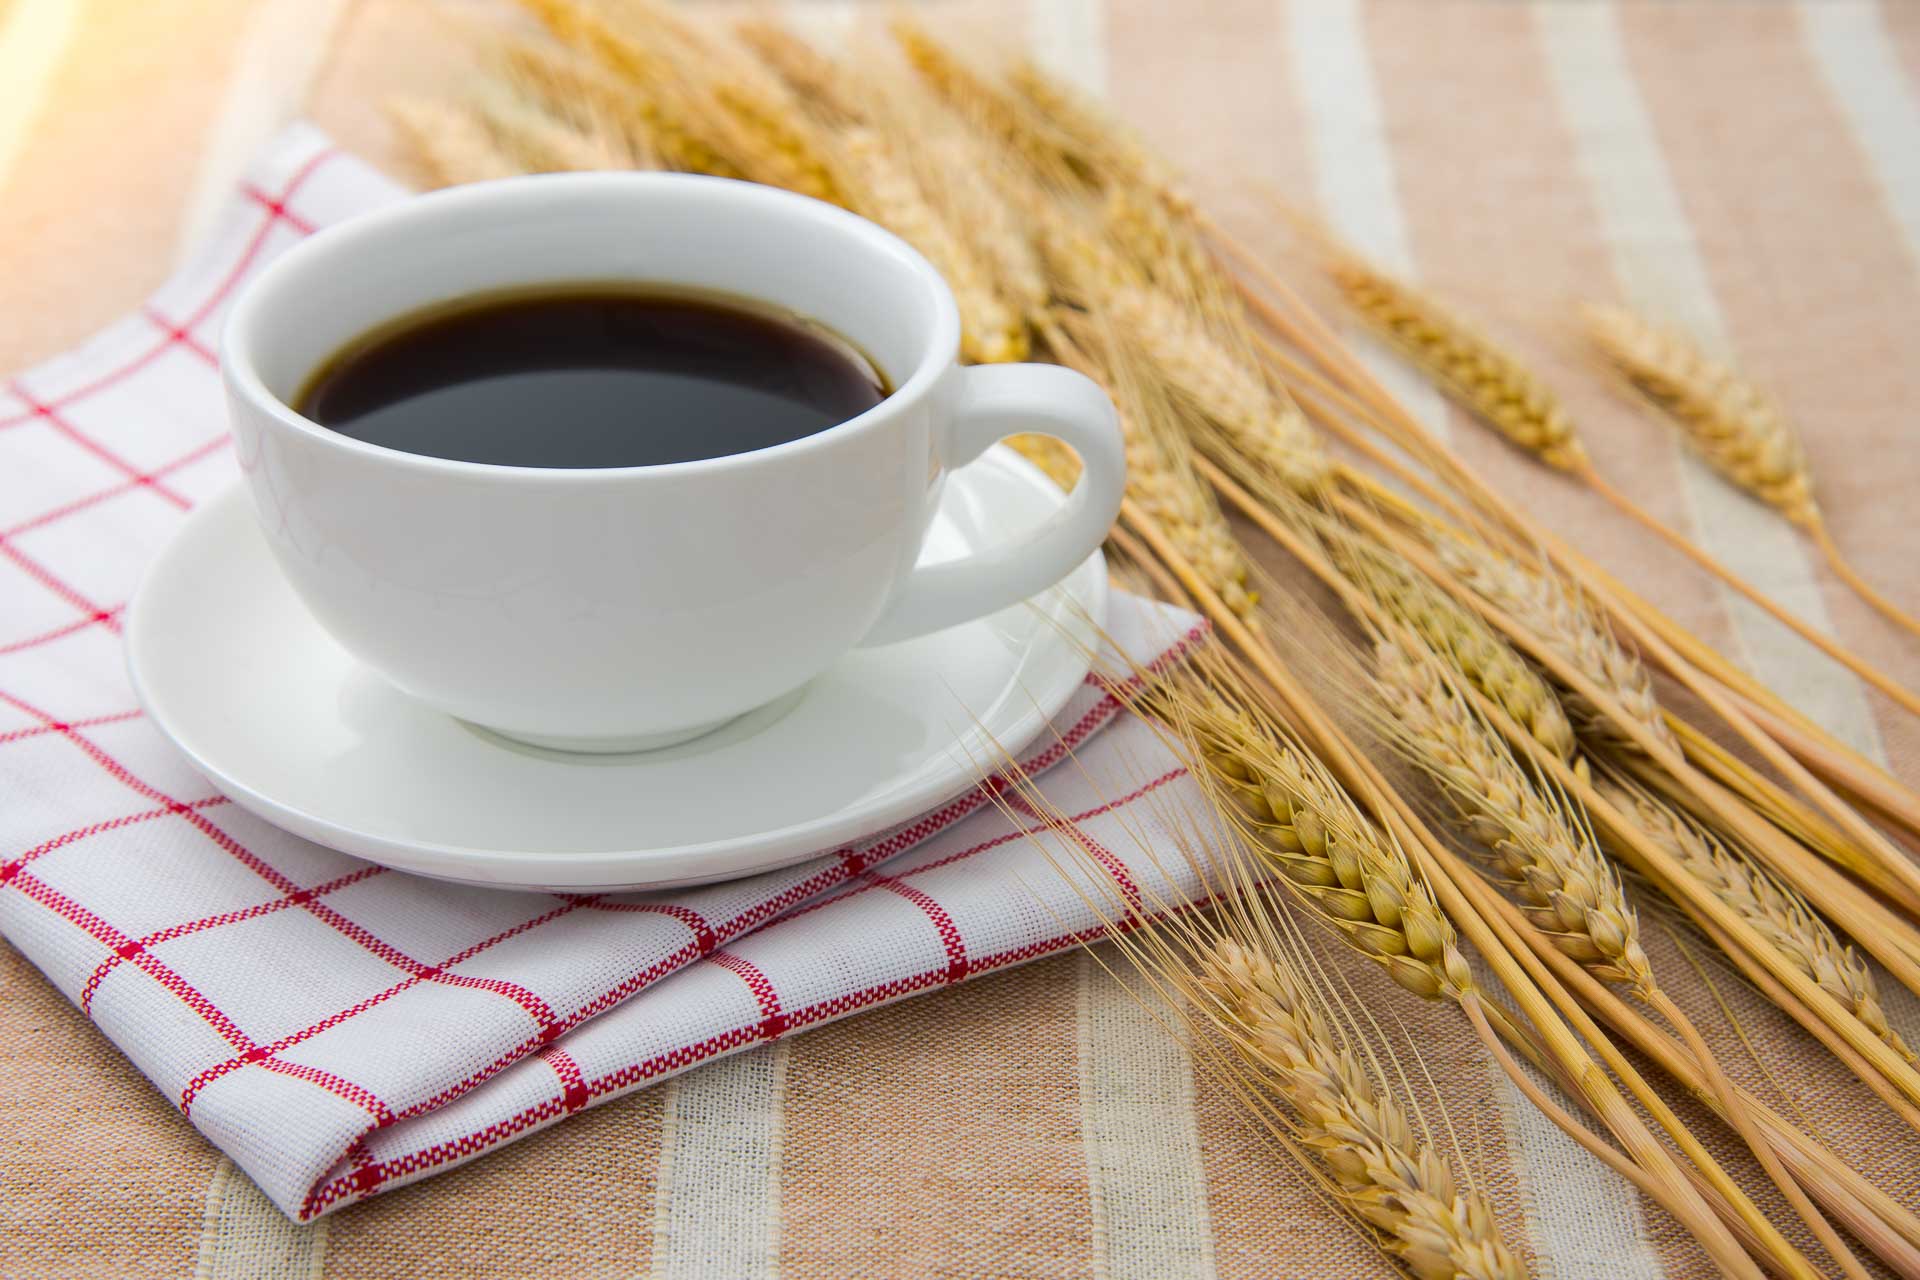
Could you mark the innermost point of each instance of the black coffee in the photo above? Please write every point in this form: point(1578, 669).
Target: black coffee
point(590, 376)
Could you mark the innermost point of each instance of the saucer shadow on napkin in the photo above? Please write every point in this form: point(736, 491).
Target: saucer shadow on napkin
point(338, 1028)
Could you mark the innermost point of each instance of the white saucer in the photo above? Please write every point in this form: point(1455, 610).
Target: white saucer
point(232, 668)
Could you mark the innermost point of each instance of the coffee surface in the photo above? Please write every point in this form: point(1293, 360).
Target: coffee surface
point(590, 376)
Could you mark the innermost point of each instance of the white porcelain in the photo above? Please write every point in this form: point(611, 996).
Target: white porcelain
point(233, 668)
point(627, 607)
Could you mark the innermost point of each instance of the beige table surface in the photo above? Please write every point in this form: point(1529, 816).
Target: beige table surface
point(1752, 169)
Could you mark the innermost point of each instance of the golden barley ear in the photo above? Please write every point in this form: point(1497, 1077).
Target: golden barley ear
point(1550, 862)
point(1776, 912)
point(1388, 1175)
point(451, 145)
point(1481, 375)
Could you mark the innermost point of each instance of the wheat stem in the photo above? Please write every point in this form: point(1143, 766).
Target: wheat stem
point(1565, 885)
point(1777, 913)
point(1497, 942)
point(1388, 1176)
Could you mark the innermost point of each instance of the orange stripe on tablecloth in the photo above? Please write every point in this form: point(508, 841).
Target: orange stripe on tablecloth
point(942, 1129)
point(1817, 287)
point(100, 1175)
point(573, 1200)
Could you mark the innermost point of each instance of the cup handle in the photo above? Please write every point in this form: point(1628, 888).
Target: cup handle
point(999, 400)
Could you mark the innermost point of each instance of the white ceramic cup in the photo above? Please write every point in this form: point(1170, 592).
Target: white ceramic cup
point(626, 608)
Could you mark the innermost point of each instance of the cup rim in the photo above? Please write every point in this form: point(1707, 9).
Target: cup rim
point(243, 379)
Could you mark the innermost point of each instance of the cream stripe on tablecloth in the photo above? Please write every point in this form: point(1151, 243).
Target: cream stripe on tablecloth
point(1353, 169)
point(1145, 1184)
point(246, 1238)
point(281, 53)
point(1145, 1181)
point(1849, 43)
point(717, 1196)
point(34, 39)
point(1659, 270)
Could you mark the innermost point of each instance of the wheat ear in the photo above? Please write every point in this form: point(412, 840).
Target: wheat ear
point(1564, 883)
point(1543, 847)
point(984, 104)
point(1481, 375)
point(816, 80)
point(1160, 476)
point(654, 89)
point(1776, 912)
point(1302, 824)
point(1737, 428)
point(1206, 376)
point(883, 188)
point(1356, 1128)
point(1491, 664)
point(452, 146)
point(1563, 621)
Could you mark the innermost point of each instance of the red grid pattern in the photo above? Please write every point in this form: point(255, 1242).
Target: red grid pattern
point(729, 914)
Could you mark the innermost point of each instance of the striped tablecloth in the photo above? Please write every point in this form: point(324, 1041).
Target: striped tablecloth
point(1749, 169)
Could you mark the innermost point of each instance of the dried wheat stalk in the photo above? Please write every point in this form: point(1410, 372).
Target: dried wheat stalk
point(1566, 885)
point(1483, 376)
point(1299, 821)
point(1384, 1172)
point(451, 145)
point(1736, 427)
point(1160, 475)
point(881, 186)
point(1554, 612)
point(1776, 912)
point(1486, 660)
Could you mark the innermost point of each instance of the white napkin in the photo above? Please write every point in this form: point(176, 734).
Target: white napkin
point(338, 1028)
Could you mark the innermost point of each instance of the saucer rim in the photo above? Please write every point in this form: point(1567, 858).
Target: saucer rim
point(674, 865)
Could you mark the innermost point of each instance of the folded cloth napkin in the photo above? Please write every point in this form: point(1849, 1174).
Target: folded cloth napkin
point(338, 1028)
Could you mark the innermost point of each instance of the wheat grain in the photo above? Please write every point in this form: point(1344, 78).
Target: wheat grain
point(819, 83)
point(1482, 656)
point(1305, 826)
point(1161, 479)
point(1565, 884)
point(984, 104)
point(1356, 1128)
point(884, 190)
point(1777, 913)
point(654, 89)
point(1565, 623)
point(452, 146)
point(1475, 371)
point(1739, 429)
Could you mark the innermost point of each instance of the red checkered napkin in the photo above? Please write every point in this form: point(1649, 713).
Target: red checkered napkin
point(338, 1028)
